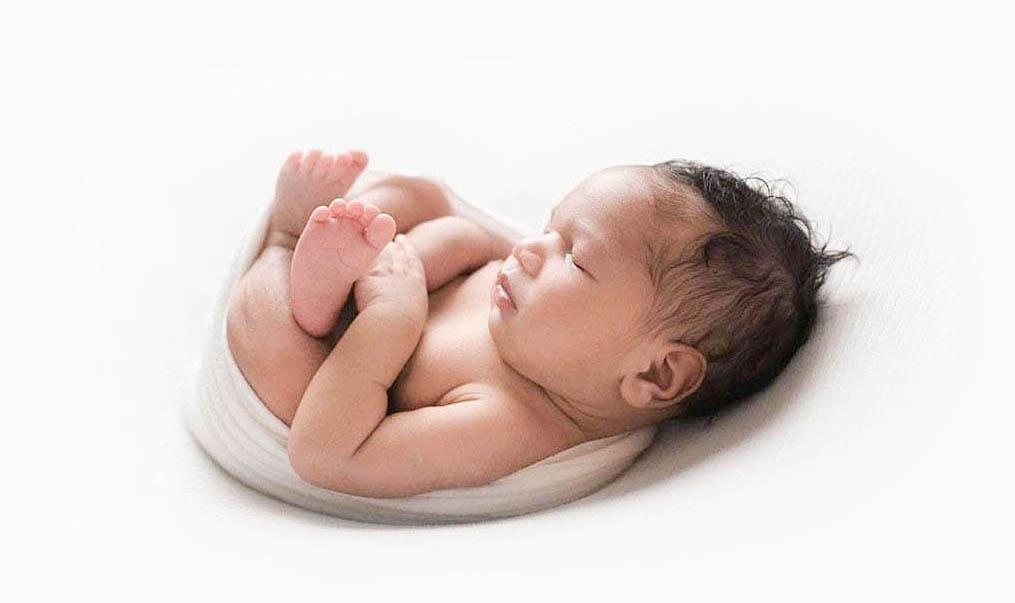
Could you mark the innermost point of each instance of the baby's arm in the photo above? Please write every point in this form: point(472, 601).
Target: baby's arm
point(449, 246)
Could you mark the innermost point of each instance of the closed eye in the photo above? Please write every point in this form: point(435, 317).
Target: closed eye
point(575, 265)
point(569, 255)
point(546, 230)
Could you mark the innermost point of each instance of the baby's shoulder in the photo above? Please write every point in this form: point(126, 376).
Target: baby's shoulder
point(526, 411)
point(475, 391)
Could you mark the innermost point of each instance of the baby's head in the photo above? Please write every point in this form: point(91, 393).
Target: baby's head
point(660, 291)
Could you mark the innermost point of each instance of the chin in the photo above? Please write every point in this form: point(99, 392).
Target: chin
point(501, 342)
point(494, 326)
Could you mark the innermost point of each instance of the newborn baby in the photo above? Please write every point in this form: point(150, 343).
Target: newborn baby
point(654, 292)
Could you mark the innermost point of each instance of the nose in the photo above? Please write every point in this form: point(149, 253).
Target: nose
point(529, 255)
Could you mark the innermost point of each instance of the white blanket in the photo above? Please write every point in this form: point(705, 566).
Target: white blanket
point(247, 440)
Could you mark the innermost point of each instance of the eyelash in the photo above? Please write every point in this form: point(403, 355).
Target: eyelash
point(575, 265)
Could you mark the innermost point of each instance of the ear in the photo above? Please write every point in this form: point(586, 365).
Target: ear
point(674, 372)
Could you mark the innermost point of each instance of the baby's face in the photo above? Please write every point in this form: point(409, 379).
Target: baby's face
point(580, 289)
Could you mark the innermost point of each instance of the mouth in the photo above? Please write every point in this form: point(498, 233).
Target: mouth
point(502, 293)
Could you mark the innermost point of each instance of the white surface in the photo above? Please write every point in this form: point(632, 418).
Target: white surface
point(138, 139)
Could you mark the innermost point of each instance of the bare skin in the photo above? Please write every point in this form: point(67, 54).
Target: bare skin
point(476, 366)
point(377, 410)
point(296, 294)
point(337, 246)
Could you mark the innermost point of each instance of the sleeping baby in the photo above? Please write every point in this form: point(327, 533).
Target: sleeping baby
point(411, 349)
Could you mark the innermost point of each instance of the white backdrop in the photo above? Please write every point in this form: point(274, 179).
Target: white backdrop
point(139, 139)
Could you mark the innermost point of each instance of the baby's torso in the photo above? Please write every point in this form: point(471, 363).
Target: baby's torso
point(456, 356)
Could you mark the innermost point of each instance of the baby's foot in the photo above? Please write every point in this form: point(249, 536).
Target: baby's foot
point(337, 247)
point(311, 181)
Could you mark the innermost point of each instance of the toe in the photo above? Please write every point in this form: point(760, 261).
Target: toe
point(380, 232)
point(310, 161)
point(357, 161)
point(337, 208)
point(320, 214)
point(323, 167)
point(369, 213)
point(341, 166)
point(359, 158)
point(292, 163)
point(354, 209)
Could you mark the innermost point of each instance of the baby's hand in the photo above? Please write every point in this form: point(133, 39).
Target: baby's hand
point(395, 283)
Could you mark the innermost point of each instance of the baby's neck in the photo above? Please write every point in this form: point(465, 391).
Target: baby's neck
point(584, 425)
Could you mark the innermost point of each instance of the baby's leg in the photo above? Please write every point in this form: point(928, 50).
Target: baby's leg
point(276, 356)
point(449, 246)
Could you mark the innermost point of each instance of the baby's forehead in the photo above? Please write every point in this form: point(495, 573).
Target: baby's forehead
point(612, 212)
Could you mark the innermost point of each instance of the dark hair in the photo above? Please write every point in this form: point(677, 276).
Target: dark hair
point(744, 293)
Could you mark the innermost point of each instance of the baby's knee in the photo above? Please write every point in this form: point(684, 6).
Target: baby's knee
point(448, 246)
point(447, 236)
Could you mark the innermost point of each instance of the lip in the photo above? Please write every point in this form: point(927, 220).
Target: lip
point(502, 280)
